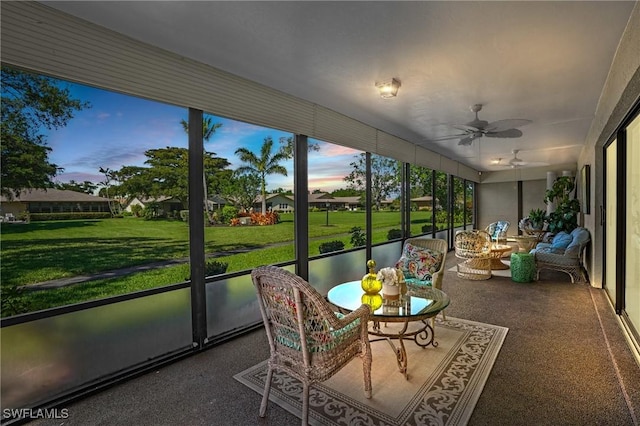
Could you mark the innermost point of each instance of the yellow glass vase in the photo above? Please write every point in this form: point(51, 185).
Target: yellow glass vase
point(373, 300)
point(370, 283)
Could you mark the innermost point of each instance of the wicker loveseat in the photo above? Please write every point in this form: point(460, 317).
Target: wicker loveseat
point(564, 253)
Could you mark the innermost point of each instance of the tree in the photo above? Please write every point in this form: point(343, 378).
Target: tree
point(30, 104)
point(208, 129)
point(167, 174)
point(85, 187)
point(384, 177)
point(421, 179)
point(265, 164)
point(287, 143)
point(109, 176)
point(346, 192)
point(242, 189)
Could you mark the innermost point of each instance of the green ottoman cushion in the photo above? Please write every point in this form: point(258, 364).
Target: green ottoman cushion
point(523, 267)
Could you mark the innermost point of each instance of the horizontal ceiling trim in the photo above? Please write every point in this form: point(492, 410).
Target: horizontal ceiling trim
point(394, 147)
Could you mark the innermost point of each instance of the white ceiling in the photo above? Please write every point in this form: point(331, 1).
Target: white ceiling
point(542, 61)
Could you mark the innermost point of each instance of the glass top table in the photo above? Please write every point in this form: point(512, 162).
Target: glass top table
point(419, 304)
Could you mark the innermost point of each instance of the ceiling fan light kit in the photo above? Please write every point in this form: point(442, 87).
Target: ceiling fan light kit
point(388, 89)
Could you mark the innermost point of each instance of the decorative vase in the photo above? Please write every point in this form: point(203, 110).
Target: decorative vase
point(370, 283)
point(373, 300)
point(390, 291)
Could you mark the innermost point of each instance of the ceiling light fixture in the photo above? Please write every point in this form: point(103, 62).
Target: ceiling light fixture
point(388, 89)
point(496, 160)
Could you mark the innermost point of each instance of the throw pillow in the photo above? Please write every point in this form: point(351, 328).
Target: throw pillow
point(560, 242)
point(418, 262)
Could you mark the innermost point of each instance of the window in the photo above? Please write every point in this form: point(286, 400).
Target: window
point(336, 180)
point(421, 200)
point(113, 149)
point(246, 158)
point(386, 185)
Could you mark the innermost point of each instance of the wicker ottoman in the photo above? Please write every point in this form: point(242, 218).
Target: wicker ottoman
point(523, 267)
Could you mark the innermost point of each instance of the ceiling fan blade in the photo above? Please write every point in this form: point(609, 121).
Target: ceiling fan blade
point(446, 138)
point(466, 141)
point(502, 125)
point(465, 128)
point(509, 133)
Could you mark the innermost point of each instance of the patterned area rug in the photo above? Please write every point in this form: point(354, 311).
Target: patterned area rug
point(443, 386)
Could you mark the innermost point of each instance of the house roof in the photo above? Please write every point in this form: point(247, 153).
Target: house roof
point(349, 200)
point(423, 198)
point(53, 195)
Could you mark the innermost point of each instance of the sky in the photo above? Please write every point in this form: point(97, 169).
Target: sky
point(117, 129)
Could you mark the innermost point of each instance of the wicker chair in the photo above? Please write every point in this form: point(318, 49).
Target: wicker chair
point(437, 272)
point(498, 231)
point(475, 248)
point(307, 339)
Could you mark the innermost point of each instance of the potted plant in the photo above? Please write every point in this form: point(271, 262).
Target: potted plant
point(535, 221)
point(565, 216)
point(537, 217)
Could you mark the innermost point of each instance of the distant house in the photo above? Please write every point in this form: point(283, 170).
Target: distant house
point(423, 203)
point(52, 201)
point(165, 204)
point(322, 200)
point(349, 203)
point(282, 203)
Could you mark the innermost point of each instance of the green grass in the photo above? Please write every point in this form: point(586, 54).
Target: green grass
point(42, 251)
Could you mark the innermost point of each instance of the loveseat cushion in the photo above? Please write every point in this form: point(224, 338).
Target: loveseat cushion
point(580, 237)
point(418, 262)
point(560, 242)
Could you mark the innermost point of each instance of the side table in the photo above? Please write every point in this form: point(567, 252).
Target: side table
point(523, 267)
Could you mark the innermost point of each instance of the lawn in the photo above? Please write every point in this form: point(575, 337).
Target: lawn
point(41, 251)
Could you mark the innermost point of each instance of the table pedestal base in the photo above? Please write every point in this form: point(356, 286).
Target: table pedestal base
point(423, 337)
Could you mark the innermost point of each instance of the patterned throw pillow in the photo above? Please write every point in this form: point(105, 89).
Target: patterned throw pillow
point(418, 262)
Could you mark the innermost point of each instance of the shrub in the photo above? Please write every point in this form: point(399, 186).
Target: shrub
point(270, 218)
point(427, 228)
point(35, 217)
point(331, 246)
point(228, 213)
point(442, 218)
point(394, 234)
point(136, 210)
point(184, 215)
point(358, 239)
point(213, 267)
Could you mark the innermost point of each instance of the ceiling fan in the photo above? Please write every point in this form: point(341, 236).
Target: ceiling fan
point(477, 128)
point(517, 162)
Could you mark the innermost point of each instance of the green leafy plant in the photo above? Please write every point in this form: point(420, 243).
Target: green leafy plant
point(214, 267)
point(394, 234)
point(565, 216)
point(358, 239)
point(537, 217)
point(331, 246)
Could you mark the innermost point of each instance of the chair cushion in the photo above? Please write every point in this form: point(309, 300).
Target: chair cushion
point(320, 340)
point(501, 229)
point(560, 242)
point(419, 262)
point(580, 237)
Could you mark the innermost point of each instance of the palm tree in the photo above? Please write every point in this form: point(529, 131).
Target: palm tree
point(266, 164)
point(208, 129)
